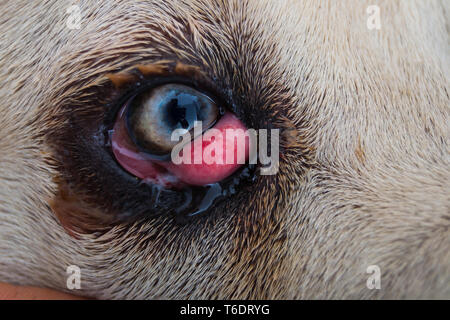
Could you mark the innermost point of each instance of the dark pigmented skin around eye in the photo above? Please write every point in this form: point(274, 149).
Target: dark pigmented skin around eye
point(200, 182)
point(87, 160)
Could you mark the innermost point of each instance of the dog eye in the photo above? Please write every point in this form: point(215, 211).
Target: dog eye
point(143, 144)
point(151, 117)
point(118, 154)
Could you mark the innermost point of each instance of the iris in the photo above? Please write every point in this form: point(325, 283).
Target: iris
point(154, 115)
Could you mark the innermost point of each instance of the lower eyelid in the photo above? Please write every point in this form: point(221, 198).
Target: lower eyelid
point(136, 162)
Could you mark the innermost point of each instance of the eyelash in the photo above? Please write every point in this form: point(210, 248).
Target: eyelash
point(136, 83)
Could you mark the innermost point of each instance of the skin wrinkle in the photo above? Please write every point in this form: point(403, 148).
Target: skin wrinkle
point(364, 157)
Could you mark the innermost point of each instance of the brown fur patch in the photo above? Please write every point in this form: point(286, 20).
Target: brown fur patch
point(120, 79)
point(76, 216)
point(359, 151)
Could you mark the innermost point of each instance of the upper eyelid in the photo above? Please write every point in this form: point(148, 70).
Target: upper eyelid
point(157, 69)
point(141, 77)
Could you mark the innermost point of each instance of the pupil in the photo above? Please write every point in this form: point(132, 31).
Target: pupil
point(181, 110)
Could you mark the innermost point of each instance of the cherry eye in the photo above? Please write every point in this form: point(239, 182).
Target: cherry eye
point(153, 116)
point(142, 143)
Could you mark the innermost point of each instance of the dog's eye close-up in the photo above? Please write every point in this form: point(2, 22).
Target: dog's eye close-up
point(158, 139)
point(174, 136)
